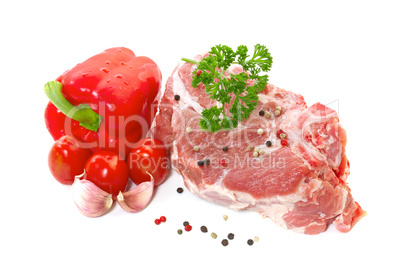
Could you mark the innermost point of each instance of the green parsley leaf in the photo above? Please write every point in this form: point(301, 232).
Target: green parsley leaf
point(234, 91)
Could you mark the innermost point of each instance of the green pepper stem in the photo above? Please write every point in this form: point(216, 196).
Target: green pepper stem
point(190, 60)
point(82, 113)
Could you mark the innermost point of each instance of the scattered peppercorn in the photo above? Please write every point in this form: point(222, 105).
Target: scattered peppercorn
point(268, 115)
point(277, 112)
point(255, 154)
point(204, 229)
point(157, 221)
point(179, 190)
point(207, 162)
point(214, 236)
point(282, 135)
point(231, 236)
point(176, 97)
point(279, 132)
point(188, 228)
point(225, 217)
point(200, 163)
point(185, 223)
point(222, 162)
point(261, 113)
point(256, 239)
point(189, 129)
point(284, 142)
point(279, 108)
point(162, 219)
point(250, 242)
point(260, 131)
point(180, 231)
point(225, 148)
point(225, 242)
point(249, 148)
point(196, 148)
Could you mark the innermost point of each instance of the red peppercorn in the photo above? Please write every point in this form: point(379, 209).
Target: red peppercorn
point(199, 72)
point(284, 142)
point(162, 219)
point(279, 133)
point(188, 227)
point(157, 221)
point(222, 162)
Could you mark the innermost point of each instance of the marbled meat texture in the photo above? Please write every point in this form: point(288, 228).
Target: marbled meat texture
point(300, 186)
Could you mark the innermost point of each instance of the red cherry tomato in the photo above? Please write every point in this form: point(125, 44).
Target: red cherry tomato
point(149, 155)
point(66, 159)
point(107, 171)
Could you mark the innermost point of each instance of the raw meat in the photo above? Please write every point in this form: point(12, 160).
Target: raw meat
point(300, 186)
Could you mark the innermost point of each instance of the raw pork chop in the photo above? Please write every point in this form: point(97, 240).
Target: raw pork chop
point(300, 185)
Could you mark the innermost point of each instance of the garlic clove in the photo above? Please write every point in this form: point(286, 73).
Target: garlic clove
point(137, 198)
point(90, 200)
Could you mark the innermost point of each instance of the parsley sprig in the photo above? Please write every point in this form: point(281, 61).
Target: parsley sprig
point(231, 90)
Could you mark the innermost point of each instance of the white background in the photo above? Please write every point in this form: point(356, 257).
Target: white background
point(343, 53)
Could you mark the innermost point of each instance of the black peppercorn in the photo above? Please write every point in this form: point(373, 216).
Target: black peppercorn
point(268, 143)
point(179, 190)
point(186, 223)
point(231, 236)
point(200, 163)
point(225, 148)
point(204, 229)
point(176, 97)
point(207, 162)
point(261, 113)
point(225, 242)
point(250, 242)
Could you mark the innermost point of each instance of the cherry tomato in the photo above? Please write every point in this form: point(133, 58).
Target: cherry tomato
point(107, 171)
point(66, 159)
point(149, 155)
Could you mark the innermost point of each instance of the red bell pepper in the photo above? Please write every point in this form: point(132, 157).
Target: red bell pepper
point(105, 101)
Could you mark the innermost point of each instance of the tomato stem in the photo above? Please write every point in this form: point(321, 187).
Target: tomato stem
point(82, 113)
